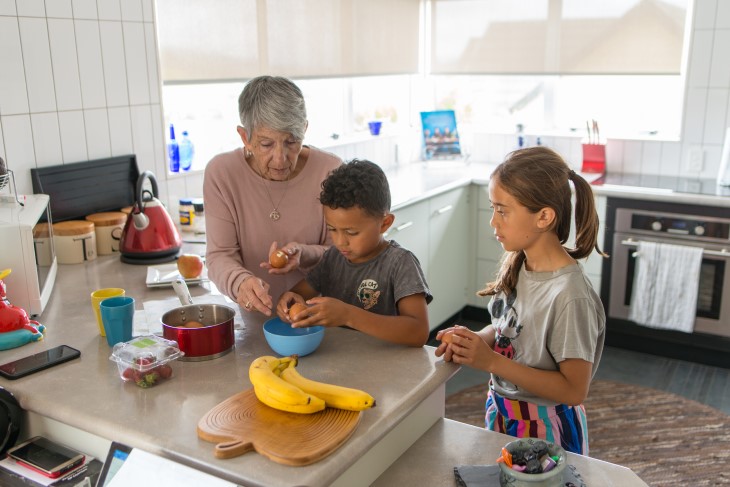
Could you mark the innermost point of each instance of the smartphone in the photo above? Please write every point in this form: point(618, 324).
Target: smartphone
point(46, 457)
point(39, 361)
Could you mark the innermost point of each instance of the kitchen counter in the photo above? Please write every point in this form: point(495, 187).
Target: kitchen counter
point(85, 404)
point(431, 460)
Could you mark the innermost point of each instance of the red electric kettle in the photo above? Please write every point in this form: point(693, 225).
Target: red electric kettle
point(149, 235)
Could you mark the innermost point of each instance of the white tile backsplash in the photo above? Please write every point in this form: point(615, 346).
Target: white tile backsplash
point(651, 157)
point(153, 76)
point(65, 64)
point(700, 59)
point(148, 10)
point(671, 159)
point(85, 9)
point(31, 8)
point(114, 62)
point(73, 136)
point(109, 10)
point(144, 145)
point(13, 94)
point(7, 7)
point(46, 139)
point(59, 9)
point(720, 67)
point(704, 13)
point(37, 62)
point(694, 116)
point(91, 69)
point(132, 10)
point(19, 154)
point(633, 153)
point(715, 115)
point(120, 128)
point(96, 122)
point(136, 57)
point(722, 19)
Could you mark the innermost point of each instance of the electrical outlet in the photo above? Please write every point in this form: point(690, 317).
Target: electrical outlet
point(695, 159)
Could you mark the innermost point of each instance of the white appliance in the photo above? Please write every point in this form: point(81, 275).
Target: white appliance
point(26, 247)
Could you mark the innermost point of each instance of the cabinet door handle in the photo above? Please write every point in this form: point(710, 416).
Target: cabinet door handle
point(403, 226)
point(444, 209)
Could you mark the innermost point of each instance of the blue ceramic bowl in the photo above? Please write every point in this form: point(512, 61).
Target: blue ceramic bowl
point(285, 340)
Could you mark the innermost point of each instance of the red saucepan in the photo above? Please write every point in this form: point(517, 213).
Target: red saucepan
point(202, 331)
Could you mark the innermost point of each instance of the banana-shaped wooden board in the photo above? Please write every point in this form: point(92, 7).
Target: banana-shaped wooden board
point(242, 423)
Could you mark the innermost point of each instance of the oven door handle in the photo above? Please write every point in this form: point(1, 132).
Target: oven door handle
point(725, 253)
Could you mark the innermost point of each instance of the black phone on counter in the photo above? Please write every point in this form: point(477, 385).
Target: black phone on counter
point(46, 457)
point(39, 361)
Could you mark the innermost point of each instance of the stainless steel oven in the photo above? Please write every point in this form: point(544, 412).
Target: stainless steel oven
point(712, 234)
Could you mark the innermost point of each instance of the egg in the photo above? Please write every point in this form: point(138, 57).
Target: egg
point(295, 309)
point(278, 259)
point(448, 336)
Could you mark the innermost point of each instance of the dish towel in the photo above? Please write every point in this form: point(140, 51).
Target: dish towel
point(665, 286)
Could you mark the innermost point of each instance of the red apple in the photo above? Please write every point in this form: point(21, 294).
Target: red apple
point(190, 265)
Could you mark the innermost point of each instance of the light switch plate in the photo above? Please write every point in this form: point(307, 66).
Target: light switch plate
point(695, 159)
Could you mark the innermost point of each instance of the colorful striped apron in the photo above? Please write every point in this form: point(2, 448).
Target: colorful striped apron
point(563, 425)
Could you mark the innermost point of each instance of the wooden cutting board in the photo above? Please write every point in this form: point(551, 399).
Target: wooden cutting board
point(242, 423)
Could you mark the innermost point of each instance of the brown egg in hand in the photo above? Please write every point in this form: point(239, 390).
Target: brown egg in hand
point(278, 259)
point(447, 337)
point(295, 309)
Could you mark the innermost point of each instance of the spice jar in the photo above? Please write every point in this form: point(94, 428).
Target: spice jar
point(75, 241)
point(108, 227)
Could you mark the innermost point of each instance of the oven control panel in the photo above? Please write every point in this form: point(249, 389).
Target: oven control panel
point(673, 224)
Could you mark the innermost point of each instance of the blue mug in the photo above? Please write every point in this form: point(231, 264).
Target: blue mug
point(117, 316)
point(375, 127)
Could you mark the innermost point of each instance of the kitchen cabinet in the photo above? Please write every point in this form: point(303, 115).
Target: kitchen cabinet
point(448, 253)
point(437, 231)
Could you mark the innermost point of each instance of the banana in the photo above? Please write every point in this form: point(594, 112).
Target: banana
point(273, 391)
point(333, 395)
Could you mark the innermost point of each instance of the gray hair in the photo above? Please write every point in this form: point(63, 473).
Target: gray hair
point(273, 102)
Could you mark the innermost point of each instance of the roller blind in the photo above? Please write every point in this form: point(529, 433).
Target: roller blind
point(218, 40)
point(557, 36)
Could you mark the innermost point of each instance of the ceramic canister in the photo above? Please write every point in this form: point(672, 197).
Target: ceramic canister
point(43, 244)
point(75, 241)
point(108, 227)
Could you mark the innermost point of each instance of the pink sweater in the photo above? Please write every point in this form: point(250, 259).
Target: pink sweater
point(239, 231)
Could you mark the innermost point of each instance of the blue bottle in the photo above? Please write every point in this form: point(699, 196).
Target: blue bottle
point(173, 151)
point(187, 151)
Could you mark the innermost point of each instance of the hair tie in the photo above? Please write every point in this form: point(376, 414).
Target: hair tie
point(571, 173)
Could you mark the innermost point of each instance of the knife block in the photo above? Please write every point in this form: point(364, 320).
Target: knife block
point(594, 158)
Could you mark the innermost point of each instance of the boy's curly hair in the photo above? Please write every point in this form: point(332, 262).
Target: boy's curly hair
point(358, 183)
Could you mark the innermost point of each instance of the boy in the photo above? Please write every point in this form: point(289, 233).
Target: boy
point(363, 281)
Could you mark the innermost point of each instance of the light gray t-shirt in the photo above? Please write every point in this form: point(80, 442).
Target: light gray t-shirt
point(376, 285)
point(550, 317)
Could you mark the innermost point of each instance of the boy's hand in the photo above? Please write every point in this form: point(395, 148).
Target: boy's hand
point(293, 251)
point(285, 302)
point(324, 312)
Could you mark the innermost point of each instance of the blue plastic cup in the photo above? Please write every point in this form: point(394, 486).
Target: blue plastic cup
point(375, 127)
point(117, 316)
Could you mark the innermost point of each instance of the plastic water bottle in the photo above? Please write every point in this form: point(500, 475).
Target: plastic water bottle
point(187, 151)
point(173, 151)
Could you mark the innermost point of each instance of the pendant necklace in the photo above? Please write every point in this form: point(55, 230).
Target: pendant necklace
point(274, 215)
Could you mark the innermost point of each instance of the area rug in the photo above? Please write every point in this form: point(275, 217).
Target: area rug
point(667, 440)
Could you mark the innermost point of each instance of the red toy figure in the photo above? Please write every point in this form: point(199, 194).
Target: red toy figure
point(16, 328)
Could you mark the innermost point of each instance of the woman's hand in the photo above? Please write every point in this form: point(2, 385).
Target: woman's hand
point(323, 311)
point(293, 251)
point(253, 294)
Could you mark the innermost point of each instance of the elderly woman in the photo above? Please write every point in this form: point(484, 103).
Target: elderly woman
point(264, 196)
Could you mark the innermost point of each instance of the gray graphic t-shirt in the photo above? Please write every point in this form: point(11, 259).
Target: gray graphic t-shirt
point(549, 317)
point(376, 285)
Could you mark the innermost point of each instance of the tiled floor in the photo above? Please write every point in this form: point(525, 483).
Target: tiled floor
point(703, 383)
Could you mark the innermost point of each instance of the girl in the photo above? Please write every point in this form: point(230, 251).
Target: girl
point(548, 324)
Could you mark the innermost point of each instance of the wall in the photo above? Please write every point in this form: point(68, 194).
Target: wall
point(79, 82)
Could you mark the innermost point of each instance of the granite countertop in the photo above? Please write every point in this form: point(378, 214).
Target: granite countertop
point(88, 394)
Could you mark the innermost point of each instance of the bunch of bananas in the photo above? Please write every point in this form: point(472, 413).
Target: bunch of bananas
point(278, 384)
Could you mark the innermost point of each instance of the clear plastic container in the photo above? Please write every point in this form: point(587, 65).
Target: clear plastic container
point(146, 360)
point(187, 152)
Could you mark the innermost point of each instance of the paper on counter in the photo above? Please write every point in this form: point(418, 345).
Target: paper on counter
point(142, 468)
point(147, 321)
